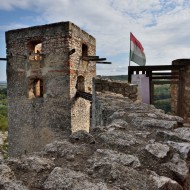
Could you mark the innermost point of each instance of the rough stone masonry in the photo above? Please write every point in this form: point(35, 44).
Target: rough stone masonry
point(132, 147)
point(45, 68)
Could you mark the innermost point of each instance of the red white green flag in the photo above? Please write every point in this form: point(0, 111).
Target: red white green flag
point(137, 51)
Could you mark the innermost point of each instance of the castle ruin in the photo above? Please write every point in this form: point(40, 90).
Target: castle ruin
point(49, 72)
point(131, 145)
point(46, 66)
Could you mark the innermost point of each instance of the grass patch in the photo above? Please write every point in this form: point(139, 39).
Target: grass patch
point(3, 110)
point(3, 123)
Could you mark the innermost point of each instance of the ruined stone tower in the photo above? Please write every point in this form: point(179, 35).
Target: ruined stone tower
point(45, 68)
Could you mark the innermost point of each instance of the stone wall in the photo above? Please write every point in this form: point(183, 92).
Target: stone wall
point(118, 87)
point(136, 147)
point(81, 70)
point(158, 140)
point(104, 85)
point(42, 87)
point(80, 115)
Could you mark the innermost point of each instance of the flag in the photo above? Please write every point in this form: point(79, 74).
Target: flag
point(136, 51)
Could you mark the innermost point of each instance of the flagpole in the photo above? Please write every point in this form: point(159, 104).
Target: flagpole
point(130, 49)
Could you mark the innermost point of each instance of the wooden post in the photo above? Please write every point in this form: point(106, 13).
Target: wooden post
point(130, 72)
point(149, 74)
point(180, 111)
point(151, 92)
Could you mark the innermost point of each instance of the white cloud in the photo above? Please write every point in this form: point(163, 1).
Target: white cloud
point(136, 7)
point(162, 26)
point(11, 4)
point(11, 26)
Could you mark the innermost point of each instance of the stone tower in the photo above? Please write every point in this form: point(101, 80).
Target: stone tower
point(45, 68)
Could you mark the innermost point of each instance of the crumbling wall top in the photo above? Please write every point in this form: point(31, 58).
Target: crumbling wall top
point(67, 26)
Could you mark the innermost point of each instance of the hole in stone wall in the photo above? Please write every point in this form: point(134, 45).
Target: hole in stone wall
point(35, 49)
point(35, 88)
point(80, 83)
point(84, 50)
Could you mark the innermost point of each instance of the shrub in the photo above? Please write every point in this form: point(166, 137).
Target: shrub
point(3, 123)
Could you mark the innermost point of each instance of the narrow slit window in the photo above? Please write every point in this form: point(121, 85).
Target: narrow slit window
point(84, 50)
point(35, 88)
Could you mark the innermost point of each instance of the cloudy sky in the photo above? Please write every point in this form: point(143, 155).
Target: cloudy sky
point(162, 26)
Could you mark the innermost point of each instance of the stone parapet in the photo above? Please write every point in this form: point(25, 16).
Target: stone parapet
point(118, 87)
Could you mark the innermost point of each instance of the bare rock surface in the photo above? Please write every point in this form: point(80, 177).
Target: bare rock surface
point(106, 156)
point(183, 133)
point(157, 149)
point(118, 138)
point(157, 123)
point(163, 182)
point(133, 146)
point(8, 180)
point(32, 163)
point(178, 166)
point(183, 148)
point(65, 178)
point(6, 174)
point(82, 136)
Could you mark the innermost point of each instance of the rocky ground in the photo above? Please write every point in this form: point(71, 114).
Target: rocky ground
point(137, 147)
point(3, 144)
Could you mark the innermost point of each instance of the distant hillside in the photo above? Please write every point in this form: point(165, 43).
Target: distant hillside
point(117, 77)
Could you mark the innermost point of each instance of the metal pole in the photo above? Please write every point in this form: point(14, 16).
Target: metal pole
point(130, 49)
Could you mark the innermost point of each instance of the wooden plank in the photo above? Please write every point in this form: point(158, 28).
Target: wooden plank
point(165, 77)
point(94, 59)
point(90, 57)
point(100, 59)
point(3, 59)
point(99, 62)
point(166, 82)
point(157, 67)
point(162, 74)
